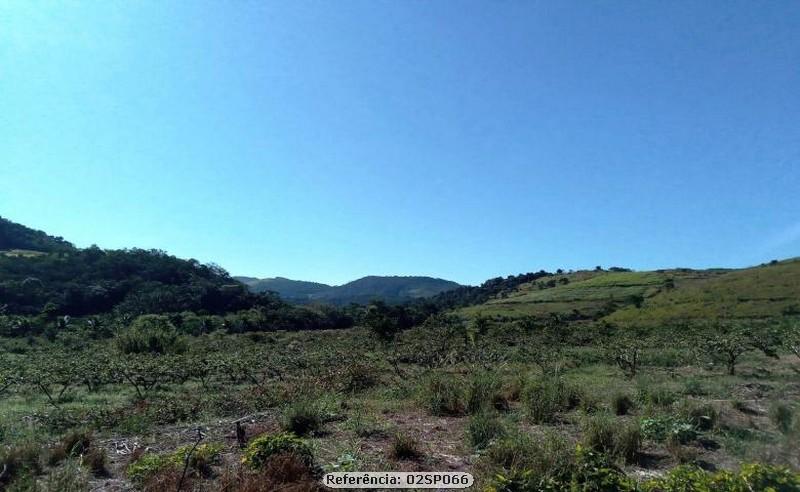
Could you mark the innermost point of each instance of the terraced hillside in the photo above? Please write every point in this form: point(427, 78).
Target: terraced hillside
point(656, 296)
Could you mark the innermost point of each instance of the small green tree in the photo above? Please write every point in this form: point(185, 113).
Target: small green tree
point(725, 341)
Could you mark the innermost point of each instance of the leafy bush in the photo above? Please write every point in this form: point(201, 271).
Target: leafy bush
point(441, 394)
point(782, 416)
point(150, 333)
point(264, 447)
point(146, 466)
point(591, 472)
point(404, 447)
point(484, 428)
point(754, 477)
point(201, 458)
point(661, 428)
point(200, 461)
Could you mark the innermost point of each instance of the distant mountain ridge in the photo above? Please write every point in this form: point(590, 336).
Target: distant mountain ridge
point(393, 289)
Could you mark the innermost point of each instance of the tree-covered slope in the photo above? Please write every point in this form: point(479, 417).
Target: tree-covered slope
point(361, 291)
point(61, 279)
point(290, 290)
point(23, 239)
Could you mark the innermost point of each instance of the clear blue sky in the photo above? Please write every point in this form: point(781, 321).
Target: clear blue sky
point(330, 140)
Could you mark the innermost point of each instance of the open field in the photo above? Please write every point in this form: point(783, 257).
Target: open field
point(445, 396)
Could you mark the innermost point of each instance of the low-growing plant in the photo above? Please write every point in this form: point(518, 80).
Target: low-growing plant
point(547, 455)
point(605, 434)
point(782, 415)
point(751, 477)
point(661, 428)
point(622, 404)
point(264, 447)
point(703, 416)
point(484, 428)
point(404, 447)
point(146, 466)
point(304, 417)
point(483, 392)
point(442, 394)
point(545, 398)
point(681, 453)
point(693, 387)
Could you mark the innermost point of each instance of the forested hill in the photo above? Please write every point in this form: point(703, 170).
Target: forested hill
point(16, 238)
point(389, 289)
point(290, 290)
point(45, 274)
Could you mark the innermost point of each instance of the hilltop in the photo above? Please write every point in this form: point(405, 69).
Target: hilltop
point(393, 289)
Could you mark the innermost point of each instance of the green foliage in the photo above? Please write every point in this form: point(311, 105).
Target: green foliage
point(264, 447)
point(442, 394)
point(152, 334)
point(702, 416)
point(483, 392)
point(545, 398)
point(304, 417)
point(607, 435)
point(147, 465)
point(590, 471)
point(200, 460)
point(753, 477)
point(549, 455)
point(484, 428)
point(661, 428)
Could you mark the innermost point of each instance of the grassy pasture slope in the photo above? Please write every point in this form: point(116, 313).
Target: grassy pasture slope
point(758, 292)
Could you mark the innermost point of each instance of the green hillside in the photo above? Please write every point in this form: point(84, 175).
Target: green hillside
point(759, 292)
point(656, 296)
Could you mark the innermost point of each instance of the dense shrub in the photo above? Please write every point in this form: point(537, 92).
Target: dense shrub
point(262, 448)
point(150, 333)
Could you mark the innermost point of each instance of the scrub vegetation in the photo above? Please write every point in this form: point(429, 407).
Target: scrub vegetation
point(600, 380)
